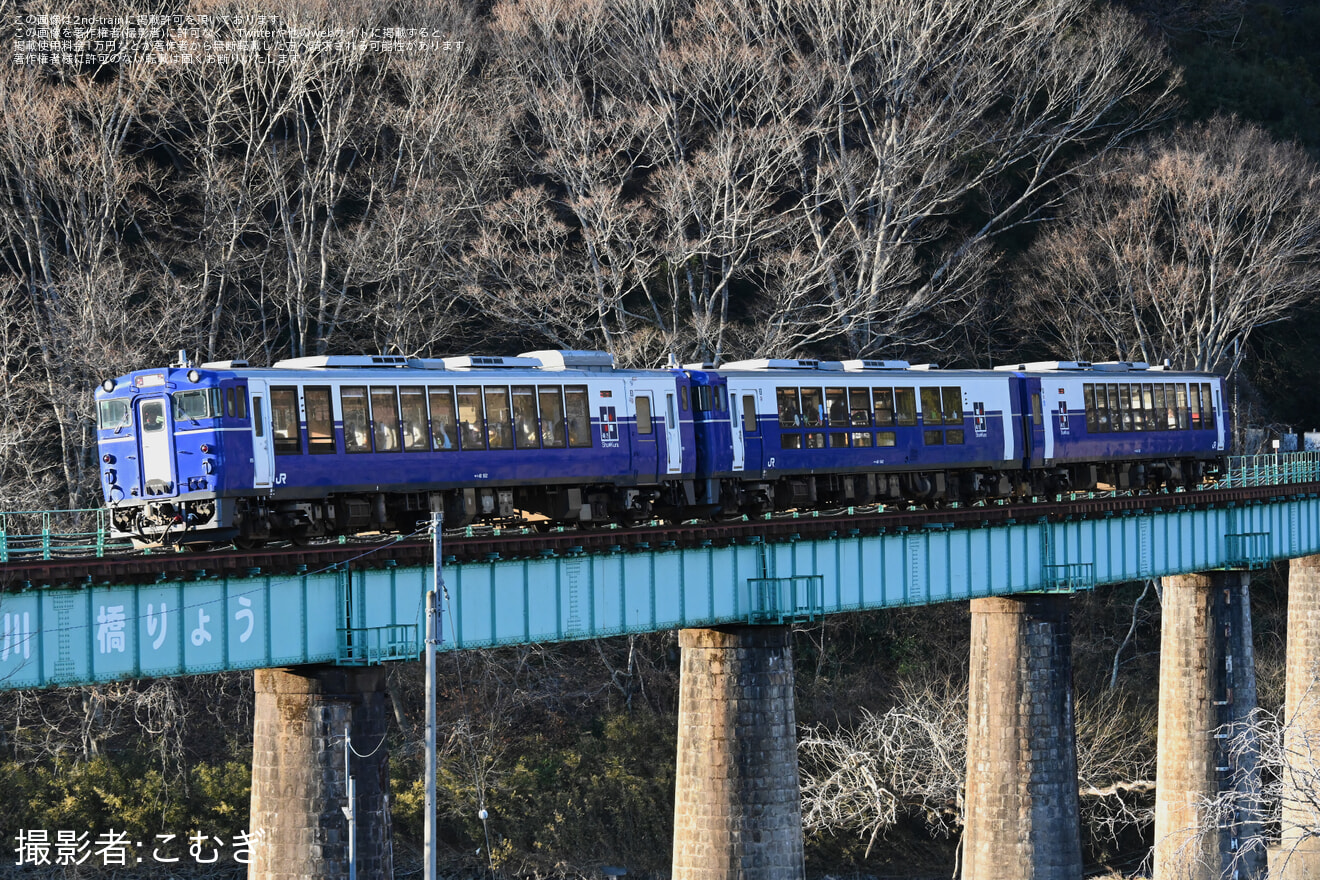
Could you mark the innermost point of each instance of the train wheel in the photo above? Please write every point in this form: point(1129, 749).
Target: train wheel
point(248, 543)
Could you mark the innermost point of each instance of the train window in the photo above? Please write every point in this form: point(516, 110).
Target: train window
point(412, 409)
point(385, 418)
point(836, 404)
point(192, 405)
point(1148, 407)
point(114, 414)
point(1180, 407)
point(933, 438)
point(320, 421)
point(701, 398)
point(859, 413)
point(930, 407)
point(749, 413)
point(722, 400)
point(357, 421)
point(1103, 420)
point(790, 441)
point(258, 423)
point(1036, 420)
point(815, 440)
point(499, 425)
point(579, 417)
point(883, 401)
point(153, 416)
point(1138, 417)
point(215, 400)
point(471, 422)
point(683, 398)
point(1111, 395)
point(229, 402)
point(905, 406)
point(1207, 410)
point(1194, 403)
point(1092, 417)
point(790, 411)
point(284, 415)
point(242, 403)
point(526, 428)
point(954, 436)
point(813, 409)
point(444, 424)
point(884, 438)
point(552, 417)
point(952, 398)
point(1160, 410)
point(644, 415)
point(1124, 408)
point(838, 440)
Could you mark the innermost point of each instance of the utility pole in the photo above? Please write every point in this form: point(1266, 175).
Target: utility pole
point(432, 640)
point(350, 811)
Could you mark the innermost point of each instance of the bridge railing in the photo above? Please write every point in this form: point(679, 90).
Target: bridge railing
point(1271, 470)
point(369, 645)
point(44, 534)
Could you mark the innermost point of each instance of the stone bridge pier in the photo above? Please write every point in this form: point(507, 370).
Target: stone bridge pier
point(299, 784)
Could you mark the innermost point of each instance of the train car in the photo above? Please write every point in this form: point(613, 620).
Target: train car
point(342, 444)
point(1121, 424)
point(810, 432)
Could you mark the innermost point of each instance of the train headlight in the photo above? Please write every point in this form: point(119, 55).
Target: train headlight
point(194, 376)
point(208, 465)
point(108, 384)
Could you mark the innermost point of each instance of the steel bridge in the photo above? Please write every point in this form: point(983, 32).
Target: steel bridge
point(75, 608)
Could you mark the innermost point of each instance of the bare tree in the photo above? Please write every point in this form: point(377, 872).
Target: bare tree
point(1181, 249)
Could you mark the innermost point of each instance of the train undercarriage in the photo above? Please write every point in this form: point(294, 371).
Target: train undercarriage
point(252, 520)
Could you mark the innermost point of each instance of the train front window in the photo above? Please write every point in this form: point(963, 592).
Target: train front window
point(1195, 405)
point(320, 421)
point(153, 416)
point(471, 422)
point(1138, 417)
point(552, 417)
point(1161, 411)
point(192, 405)
point(113, 414)
point(579, 417)
point(353, 403)
point(790, 412)
point(905, 406)
point(412, 410)
point(284, 417)
point(499, 425)
point(1180, 406)
point(444, 427)
point(526, 433)
point(1092, 417)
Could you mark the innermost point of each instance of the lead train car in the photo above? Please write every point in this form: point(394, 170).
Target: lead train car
point(341, 444)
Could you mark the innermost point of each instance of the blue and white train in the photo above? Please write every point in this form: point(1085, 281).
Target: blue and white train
point(335, 445)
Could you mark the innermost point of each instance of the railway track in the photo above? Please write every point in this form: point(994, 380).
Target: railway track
point(129, 567)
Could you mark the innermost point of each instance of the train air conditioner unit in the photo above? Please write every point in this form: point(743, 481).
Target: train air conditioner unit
point(758, 364)
point(1120, 366)
point(551, 359)
point(357, 362)
point(487, 362)
point(866, 365)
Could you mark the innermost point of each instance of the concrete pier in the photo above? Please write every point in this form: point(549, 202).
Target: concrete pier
point(299, 785)
point(1207, 692)
point(1298, 854)
point(1022, 809)
point(737, 813)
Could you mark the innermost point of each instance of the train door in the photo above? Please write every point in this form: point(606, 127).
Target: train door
point(645, 457)
point(1034, 440)
point(747, 408)
point(155, 447)
point(263, 455)
point(673, 436)
point(736, 430)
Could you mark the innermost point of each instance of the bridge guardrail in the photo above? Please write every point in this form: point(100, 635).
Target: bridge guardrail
point(1271, 470)
point(369, 645)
